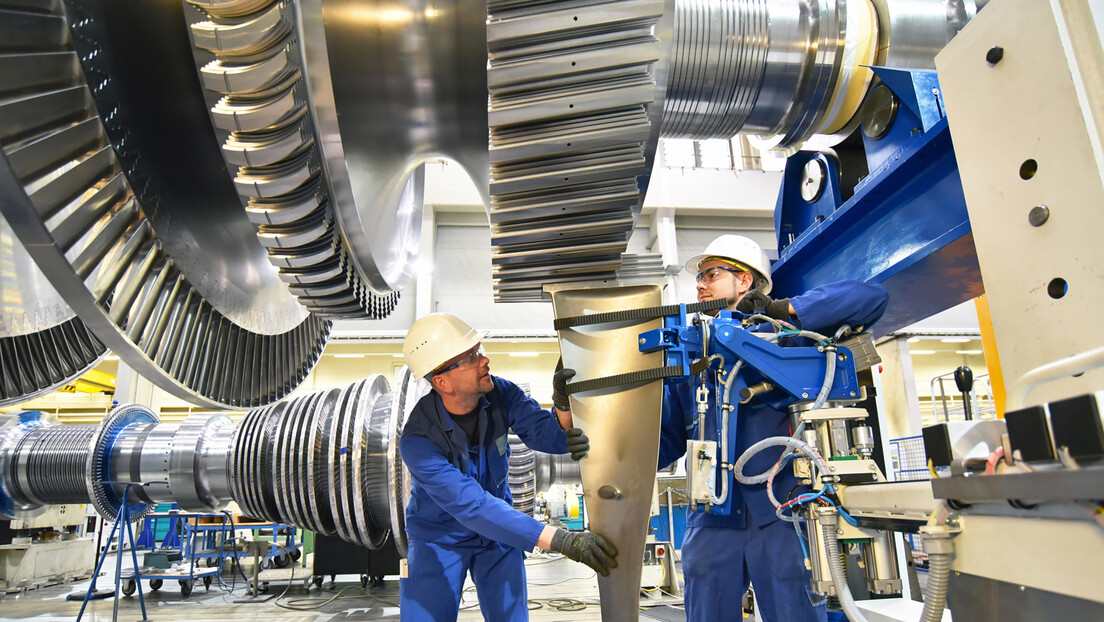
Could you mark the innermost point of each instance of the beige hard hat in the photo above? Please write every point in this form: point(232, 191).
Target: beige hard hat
point(740, 251)
point(436, 338)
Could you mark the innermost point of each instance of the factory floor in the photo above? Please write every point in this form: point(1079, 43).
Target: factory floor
point(559, 589)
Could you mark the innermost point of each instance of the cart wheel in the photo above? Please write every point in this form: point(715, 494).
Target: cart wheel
point(129, 585)
point(264, 587)
point(377, 580)
point(207, 583)
point(296, 554)
point(363, 580)
point(281, 561)
point(155, 584)
point(211, 562)
point(318, 582)
point(185, 588)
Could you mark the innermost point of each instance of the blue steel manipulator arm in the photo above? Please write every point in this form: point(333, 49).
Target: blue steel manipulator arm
point(778, 376)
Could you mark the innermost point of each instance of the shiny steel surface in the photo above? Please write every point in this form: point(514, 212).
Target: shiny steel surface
point(28, 303)
point(260, 86)
point(197, 475)
point(49, 464)
point(408, 392)
point(13, 428)
point(175, 167)
point(395, 83)
point(104, 488)
point(622, 424)
point(571, 89)
point(914, 31)
point(146, 450)
point(754, 67)
point(67, 195)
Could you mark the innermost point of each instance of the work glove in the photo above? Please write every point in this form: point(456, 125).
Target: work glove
point(587, 548)
point(755, 301)
point(577, 443)
point(559, 386)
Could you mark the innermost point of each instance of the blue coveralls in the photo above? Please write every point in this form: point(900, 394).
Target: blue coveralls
point(460, 516)
point(721, 555)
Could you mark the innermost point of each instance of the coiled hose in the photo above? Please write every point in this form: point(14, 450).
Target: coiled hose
point(829, 521)
point(940, 549)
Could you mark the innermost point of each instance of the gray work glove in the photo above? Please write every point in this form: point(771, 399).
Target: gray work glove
point(577, 443)
point(755, 301)
point(587, 548)
point(559, 386)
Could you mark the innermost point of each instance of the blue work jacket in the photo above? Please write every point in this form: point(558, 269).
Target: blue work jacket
point(461, 494)
point(822, 309)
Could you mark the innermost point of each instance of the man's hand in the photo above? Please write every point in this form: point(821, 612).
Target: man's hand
point(755, 301)
point(577, 443)
point(587, 548)
point(559, 386)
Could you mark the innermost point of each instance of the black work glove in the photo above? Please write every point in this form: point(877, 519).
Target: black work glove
point(577, 443)
point(559, 386)
point(755, 301)
point(586, 547)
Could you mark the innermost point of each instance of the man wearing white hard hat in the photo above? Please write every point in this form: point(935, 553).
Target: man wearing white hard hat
point(721, 555)
point(459, 518)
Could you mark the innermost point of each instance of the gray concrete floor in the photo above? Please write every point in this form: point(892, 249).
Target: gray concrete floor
point(559, 589)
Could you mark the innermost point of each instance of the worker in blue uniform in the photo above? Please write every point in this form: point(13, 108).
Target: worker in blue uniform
point(721, 555)
point(459, 518)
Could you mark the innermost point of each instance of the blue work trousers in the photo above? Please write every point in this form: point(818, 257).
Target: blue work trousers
point(436, 576)
point(719, 563)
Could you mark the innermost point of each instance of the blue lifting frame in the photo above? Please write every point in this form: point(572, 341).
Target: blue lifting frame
point(906, 225)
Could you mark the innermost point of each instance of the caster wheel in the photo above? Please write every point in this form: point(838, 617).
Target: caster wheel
point(377, 581)
point(296, 554)
point(317, 582)
point(155, 584)
point(185, 588)
point(129, 585)
point(281, 561)
point(264, 588)
point(211, 562)
point(363, 580)
point(207, 583)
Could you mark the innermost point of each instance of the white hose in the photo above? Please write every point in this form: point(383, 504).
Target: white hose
point(775, 441)
point(835, 566)
point(939, 575)
point(829, 375)
point(726, 410)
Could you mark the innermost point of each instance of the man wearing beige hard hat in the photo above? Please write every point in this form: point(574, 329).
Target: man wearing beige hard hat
point(460, 518)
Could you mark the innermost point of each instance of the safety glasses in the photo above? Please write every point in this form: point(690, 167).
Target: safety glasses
point(467, 361)
point(712, 274)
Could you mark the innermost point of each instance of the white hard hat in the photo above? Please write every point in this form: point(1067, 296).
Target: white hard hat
point(436, 338)
point(742, 251)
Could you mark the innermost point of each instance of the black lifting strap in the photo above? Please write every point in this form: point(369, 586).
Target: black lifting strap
point(647, 313)
point(644, 375)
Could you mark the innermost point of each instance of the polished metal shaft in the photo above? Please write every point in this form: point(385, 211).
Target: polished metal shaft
point(327, 461)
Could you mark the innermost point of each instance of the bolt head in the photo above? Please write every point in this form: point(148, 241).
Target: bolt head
point(1038, 215)
point(994, 55)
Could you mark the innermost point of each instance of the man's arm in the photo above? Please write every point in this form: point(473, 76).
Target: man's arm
point(538, 428)
point(464, 499)
point(673, 432)
point(826, 308)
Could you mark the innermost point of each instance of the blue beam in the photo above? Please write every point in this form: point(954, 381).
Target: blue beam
point(906, 227)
